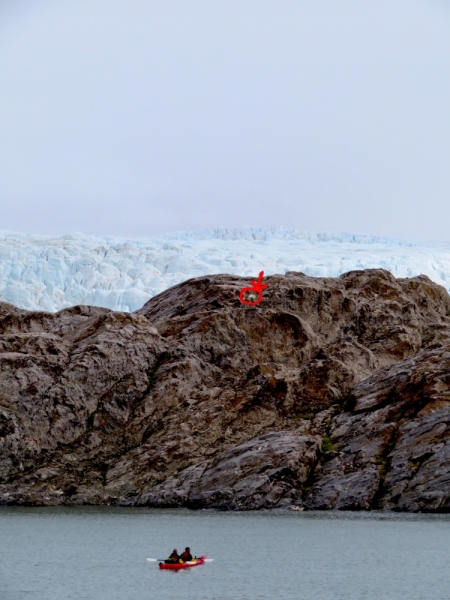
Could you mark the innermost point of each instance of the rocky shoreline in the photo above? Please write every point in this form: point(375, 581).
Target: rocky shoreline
point(333, 393)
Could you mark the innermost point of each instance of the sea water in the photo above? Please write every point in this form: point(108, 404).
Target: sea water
point(99, 553)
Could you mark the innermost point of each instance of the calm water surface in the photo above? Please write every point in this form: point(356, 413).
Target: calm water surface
point(88, 553)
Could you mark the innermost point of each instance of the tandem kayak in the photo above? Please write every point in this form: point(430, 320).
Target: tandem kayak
point(183, 565)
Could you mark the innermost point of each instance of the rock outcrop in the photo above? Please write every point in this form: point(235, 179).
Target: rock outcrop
point(391, 446)
point(267, 471)
point(332, 393)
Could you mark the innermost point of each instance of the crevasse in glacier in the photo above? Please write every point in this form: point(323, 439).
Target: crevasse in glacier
point(50, 273)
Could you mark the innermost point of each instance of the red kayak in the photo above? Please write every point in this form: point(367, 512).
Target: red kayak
point(183, 565)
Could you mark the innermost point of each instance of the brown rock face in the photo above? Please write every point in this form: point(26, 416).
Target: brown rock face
point(332, 393)
point(267, 471)
point(392, 445)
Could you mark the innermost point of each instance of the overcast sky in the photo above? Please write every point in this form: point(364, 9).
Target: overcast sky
point(136, 117)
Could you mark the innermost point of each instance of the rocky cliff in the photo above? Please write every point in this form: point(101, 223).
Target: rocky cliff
point(332, 393)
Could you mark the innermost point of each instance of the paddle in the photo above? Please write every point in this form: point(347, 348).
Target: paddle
point(188, 563)
point(193, 562)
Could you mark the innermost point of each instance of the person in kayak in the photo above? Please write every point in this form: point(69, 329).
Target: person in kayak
point(186, 556)
point(174, 557)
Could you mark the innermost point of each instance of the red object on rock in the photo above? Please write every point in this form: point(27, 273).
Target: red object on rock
point(257, 286)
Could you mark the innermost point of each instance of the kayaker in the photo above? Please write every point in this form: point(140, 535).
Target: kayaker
point(186, 556)
point(174, 557)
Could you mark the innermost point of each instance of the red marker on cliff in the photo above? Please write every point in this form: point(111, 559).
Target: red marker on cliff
point(258, 287)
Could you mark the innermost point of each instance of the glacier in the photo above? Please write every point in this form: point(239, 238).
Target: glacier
point(49, 273)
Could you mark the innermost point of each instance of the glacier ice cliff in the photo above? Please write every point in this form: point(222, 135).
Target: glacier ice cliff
point(50, 273)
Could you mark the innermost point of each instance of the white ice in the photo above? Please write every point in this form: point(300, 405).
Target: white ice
point(50, 273)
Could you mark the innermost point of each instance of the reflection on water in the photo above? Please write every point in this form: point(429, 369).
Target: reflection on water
point(87, 553)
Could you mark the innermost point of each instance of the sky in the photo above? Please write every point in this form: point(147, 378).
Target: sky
point(135, 117)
